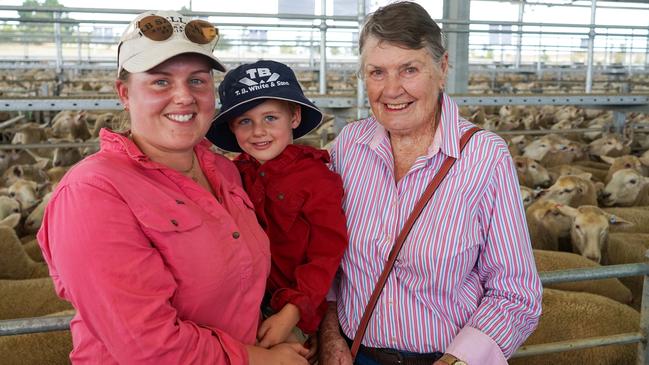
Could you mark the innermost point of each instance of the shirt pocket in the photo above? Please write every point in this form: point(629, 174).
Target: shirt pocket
point(167, 217)
point(284, 206)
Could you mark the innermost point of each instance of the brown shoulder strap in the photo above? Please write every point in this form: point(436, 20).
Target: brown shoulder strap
point(423, 200)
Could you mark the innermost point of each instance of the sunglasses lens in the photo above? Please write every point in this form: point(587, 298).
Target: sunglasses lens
point(155, 28)
point(201, 32)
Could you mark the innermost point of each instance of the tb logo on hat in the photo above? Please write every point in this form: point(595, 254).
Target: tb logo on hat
point(267, 79)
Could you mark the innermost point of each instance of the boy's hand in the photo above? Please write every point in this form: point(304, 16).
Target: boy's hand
point(277, 328)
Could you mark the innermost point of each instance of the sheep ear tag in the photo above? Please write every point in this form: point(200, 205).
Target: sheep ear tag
point(612, 219)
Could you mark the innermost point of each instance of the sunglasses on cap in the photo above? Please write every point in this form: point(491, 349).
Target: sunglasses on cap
point(157, 28)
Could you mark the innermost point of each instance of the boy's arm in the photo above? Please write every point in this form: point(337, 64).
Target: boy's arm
point(278, 327)
point(327, 243)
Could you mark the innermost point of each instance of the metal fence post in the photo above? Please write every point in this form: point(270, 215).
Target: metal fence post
point(643, 349)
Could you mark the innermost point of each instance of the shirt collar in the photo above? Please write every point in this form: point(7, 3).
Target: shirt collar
point(291, 153)
point(120, 142)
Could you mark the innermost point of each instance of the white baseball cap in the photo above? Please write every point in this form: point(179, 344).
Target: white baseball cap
point(156, 36)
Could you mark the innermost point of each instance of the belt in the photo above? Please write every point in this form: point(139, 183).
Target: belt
point(386, 356)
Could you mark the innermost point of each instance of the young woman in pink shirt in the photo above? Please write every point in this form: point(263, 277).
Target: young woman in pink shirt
point(153, 239)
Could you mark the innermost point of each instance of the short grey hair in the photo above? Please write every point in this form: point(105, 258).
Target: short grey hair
point(406, 24)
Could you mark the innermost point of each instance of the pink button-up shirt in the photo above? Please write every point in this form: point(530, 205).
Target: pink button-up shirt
point(159, 270)
point(465, 281)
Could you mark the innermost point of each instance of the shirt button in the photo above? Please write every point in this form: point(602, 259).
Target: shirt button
point(174, 222)
point(262, 174)
point(179, 201)
point(236, 235)
point(388, 238)
point(280, 197)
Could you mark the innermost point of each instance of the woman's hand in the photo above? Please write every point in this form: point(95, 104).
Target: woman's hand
point(278, 327)
point(333, 347)
point(312, 344)
point(282, 354)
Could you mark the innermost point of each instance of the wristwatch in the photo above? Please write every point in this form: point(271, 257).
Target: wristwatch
point(449, 359)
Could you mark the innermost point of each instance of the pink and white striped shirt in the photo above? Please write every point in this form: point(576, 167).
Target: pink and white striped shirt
point(465, 281)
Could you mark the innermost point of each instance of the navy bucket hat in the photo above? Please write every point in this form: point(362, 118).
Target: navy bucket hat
point(249, 85)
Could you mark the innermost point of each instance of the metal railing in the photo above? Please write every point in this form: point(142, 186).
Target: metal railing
point(61, 323)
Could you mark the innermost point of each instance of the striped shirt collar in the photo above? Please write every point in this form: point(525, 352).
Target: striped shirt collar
point(446, 139)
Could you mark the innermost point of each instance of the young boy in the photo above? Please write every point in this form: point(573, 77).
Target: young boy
point(296, 197)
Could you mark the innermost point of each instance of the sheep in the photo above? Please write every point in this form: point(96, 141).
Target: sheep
point(629, 248)
point(517, 144)
point(35, 218)
point(564, 170)
point(29, 298)
point(14, 261)
point(567, 153)
point(546, 224)
point(624, 162)
point(105, 120)
point(33, 250)
point(589, 230)
point(573, 190)
point(609, 145)
point(639, 216)
point(36, 348)
point(27, 193)
point(34, 172)
point(593, 164)
point(627, 188)
point(538, 148)
point(531, 173)
point(8, 206)
point(10, 158)
point(528, 195)
point(74, 127)
point(33, 298)
point(65, 156)
point(29, 133)
point(570, 315)
point(55, 174)
point(554, 260)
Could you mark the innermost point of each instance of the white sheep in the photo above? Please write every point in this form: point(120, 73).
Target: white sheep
point(589, 230)
point(29, 298)
point(629, 248)
point(531, 173)
point(626, 188)
point(639, 216)
point(547, 224)
point(35, 218)
point(573, 190)
point(33, 298)
point(27, 193)
point(554, 260)
point(34, 172)
point(528, 195)
point(538, 148)
point(14, 261)
point(8, 206)
point(571, 315)
point(609, 145)
point(624, 162)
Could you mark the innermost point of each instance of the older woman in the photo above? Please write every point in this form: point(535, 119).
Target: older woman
point(464, 288)
point(152, 239)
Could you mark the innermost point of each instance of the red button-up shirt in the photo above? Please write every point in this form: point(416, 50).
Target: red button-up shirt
point(298, 203)
point(158, 269)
